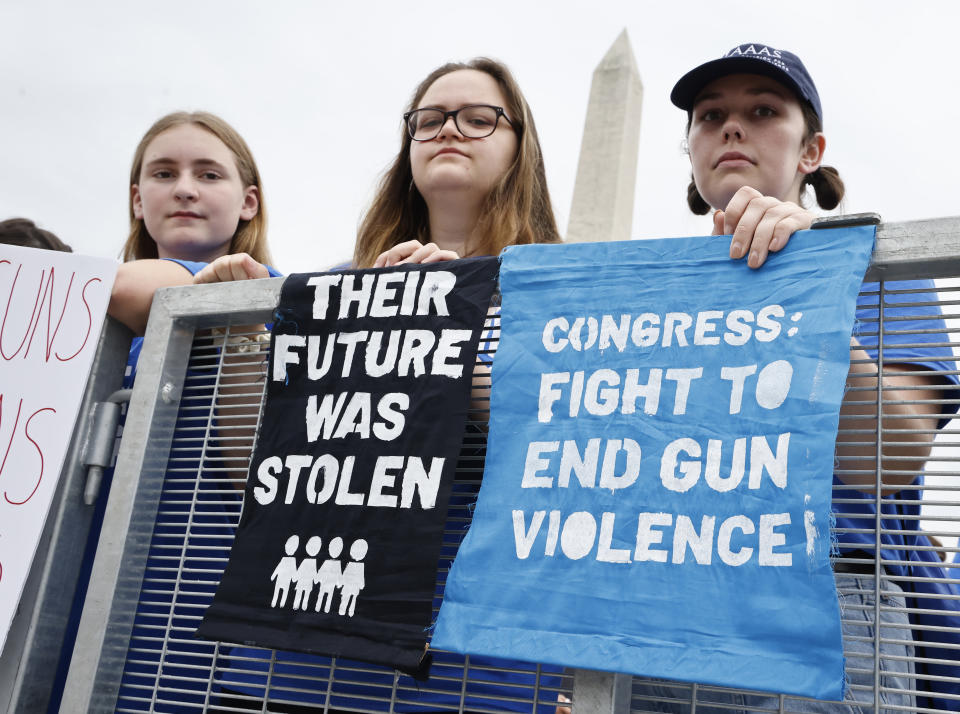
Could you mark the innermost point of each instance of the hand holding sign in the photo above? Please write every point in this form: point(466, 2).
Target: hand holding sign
point(759, 224)
point(413, 252)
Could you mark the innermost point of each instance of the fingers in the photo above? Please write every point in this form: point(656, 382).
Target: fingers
point(772, 226)
point(440, 256)
point(737, 206)
point(396, 254)
point(732, 215)
point(761, 224)
point(797, 219)
point(718, 223)
point(226, 268)
point(413, 252)
point(429, 253)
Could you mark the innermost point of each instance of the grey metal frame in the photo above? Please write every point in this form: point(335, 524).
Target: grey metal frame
point(176, 314)
point(903, 250)
point(32, 651)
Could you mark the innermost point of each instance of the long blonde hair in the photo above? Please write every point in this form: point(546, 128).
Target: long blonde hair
point(251, 236)
point(517, 210)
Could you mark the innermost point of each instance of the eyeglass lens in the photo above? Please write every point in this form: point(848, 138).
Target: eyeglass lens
point(474, 122)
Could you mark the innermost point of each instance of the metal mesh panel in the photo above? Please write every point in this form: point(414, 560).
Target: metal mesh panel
point(886, 591)
point(167, 669)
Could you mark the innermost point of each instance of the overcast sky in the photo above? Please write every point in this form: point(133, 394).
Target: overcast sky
point(317, 90)
point(82, 81)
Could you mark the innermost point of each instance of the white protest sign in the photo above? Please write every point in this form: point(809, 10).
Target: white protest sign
point(53, 305)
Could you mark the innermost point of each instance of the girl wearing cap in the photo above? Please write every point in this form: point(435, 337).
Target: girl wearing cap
point(755, 138)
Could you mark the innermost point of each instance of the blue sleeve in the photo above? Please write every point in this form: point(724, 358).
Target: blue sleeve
point(914, 332)
point(191, 265)
point(195, 267)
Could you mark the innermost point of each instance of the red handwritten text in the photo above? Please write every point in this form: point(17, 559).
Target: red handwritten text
point(48, 308)
point(14, 442)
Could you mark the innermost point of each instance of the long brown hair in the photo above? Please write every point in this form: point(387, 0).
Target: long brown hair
point(827, 185)
point(517, 210)
point(251, 236)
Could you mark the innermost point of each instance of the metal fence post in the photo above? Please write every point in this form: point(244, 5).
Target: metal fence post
point(600, 692)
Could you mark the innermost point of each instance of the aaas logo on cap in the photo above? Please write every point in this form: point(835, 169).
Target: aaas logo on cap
point(747, 50)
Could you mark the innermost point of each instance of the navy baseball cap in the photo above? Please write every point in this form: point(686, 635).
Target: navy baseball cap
point(783, 66)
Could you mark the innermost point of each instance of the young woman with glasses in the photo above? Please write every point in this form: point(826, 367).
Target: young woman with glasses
point(469, 178)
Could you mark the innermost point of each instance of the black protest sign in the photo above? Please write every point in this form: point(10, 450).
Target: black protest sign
point(367, 396)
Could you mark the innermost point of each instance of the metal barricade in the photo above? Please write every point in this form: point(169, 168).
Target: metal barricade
point(176, 498)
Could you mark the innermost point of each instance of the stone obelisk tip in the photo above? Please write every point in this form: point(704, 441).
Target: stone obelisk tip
point(607, 172)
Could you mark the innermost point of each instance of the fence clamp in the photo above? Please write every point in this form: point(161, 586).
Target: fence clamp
point(849, 219)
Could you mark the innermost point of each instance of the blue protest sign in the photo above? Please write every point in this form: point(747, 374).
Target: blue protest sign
point(656, 497)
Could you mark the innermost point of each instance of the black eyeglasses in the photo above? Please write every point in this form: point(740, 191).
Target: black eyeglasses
point(474, 121)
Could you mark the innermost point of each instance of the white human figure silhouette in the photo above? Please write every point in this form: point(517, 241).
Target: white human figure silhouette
point(353, 581)
point(306, 573)
point(285, 571)
point(329, 576)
